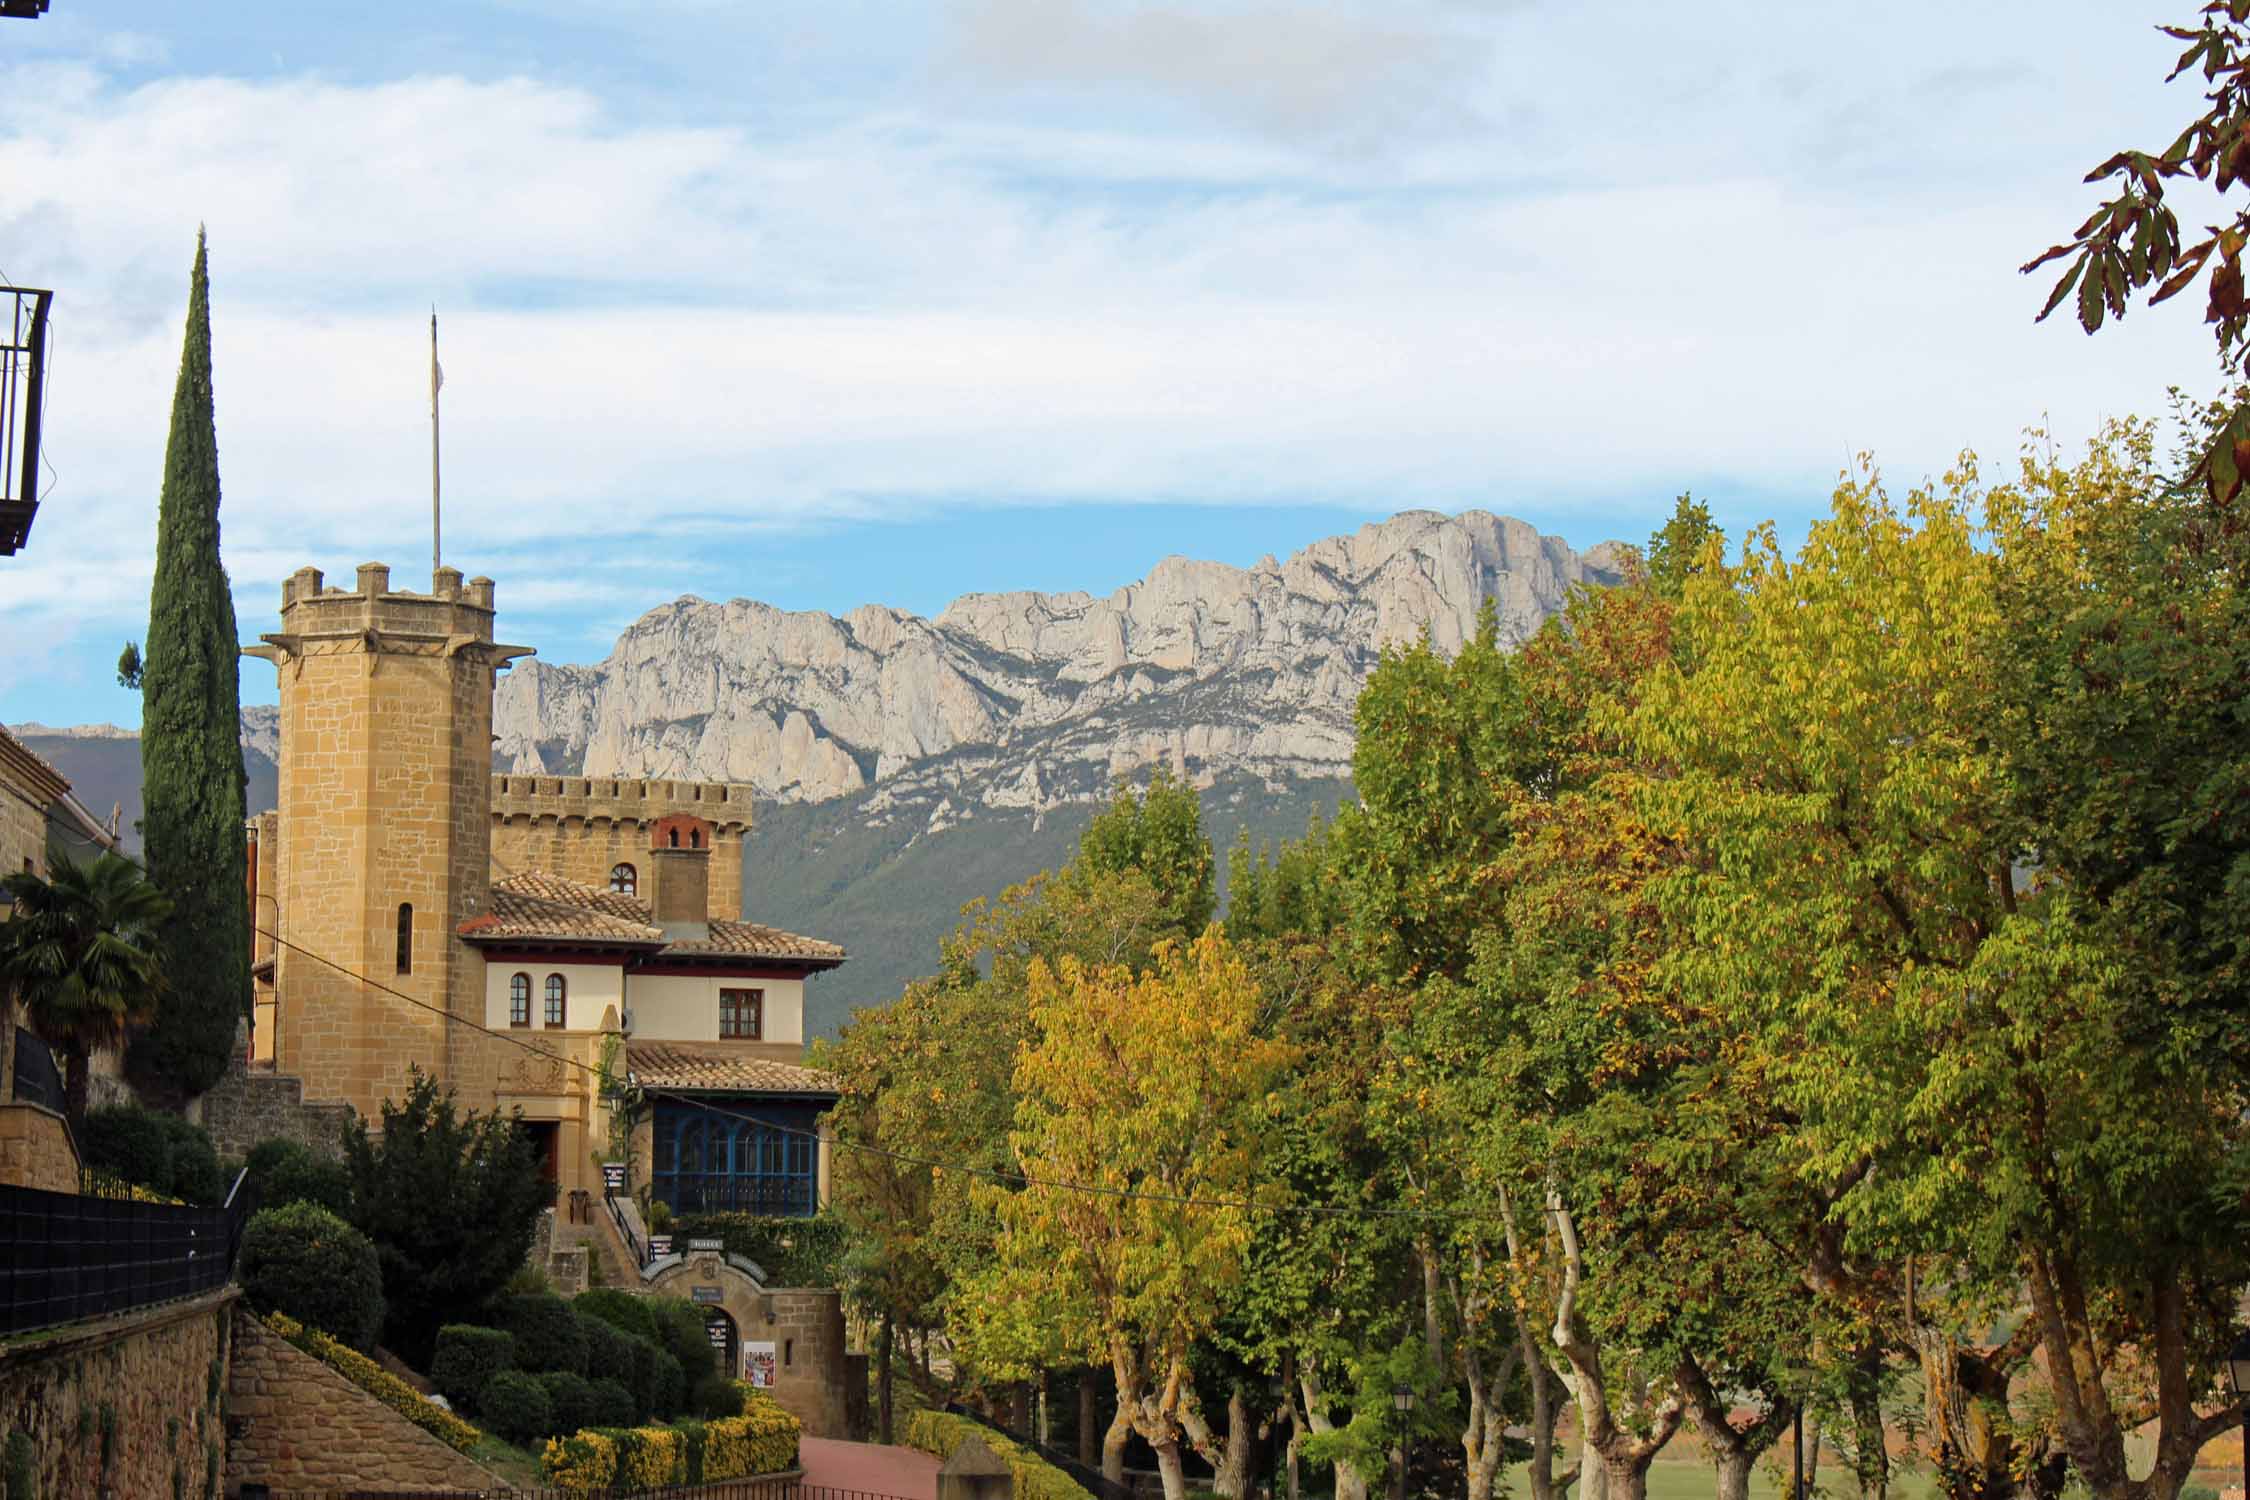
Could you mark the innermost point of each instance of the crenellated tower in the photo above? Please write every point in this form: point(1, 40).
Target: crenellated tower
point(384, 827)
point(584, 828)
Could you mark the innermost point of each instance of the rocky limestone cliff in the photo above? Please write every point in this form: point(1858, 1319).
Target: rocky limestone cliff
point(1028, 700)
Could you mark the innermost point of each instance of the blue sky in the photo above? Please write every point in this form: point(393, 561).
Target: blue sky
point(850, 302)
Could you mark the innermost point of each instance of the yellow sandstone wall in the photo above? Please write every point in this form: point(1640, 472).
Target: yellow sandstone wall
point(385, 780)
point(579, 827)
point(35, 1149)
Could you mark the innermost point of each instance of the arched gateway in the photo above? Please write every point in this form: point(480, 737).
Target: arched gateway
point(789, 1341)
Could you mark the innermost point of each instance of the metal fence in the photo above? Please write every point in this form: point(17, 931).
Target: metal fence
point(72, 1256)
point(37, 1079)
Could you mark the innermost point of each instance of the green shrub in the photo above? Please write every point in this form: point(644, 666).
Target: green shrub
point(547, 1333)
point(792, 1252)
point(196, 1174)
point(667, 1388)
point(127, 1141)
point(763, 1440)
point(613, 1403)
point(287, 1172)
point(642, 1380)
point(608, 1351)
point(307, 1263)
point(715, 1396)
point(680, 1328)
point(515, 1406)
point(466, 1359)
point(620, 1310)
point(22, 1473)
point(572, 1399)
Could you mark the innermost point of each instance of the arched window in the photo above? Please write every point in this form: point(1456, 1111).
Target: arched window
point(519, 1000)
point(695, 838)
point(674, 834)
point(405, 938)
point(625, 880)
point(554, 1000)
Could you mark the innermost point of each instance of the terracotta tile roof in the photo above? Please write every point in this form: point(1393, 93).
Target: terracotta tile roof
point(538, 906)
point(755, 940)
point(669, 1065)
point(533, 905)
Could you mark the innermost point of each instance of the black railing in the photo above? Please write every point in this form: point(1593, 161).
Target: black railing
point(23, 376)
point(625, 1229)
point(37, 1079)
point(771, 1197)
point(73, 1257)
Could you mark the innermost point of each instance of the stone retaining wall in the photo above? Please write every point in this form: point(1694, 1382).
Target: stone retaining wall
point(35, 1149)
point(301, 1426)
point(126, 1405)
point(247, 1107)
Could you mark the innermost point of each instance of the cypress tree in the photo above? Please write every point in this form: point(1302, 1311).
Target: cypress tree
point(192, 778)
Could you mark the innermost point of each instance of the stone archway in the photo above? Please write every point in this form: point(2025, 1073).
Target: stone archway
point(715, 1281)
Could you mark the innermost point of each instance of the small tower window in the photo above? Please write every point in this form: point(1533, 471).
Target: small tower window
point(674, 835)
point(625, 880)
point(405, 938)
point(519, 1000)
point(554, 1000)
point(695, 838)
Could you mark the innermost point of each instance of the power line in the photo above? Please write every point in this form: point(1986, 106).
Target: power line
point(993, 1174)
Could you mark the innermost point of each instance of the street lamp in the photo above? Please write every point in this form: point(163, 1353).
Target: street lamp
point(1402, 1402)
point(2238, 1381)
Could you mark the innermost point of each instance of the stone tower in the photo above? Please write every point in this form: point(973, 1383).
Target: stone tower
point(384, 830)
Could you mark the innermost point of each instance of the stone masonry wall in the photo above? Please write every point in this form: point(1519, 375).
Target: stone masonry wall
point(244, 1108)
point(579, 827)
point(35, 1149)
point(807, 1333)
point(302, 1426)
point(126, 1405)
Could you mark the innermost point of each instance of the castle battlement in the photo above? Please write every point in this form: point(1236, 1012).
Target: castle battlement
point(599, 799)
point(451, 609)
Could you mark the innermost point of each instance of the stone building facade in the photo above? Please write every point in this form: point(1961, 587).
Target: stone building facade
point(512, 936)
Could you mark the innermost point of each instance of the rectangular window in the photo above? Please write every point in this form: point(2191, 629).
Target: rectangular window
point(742, 1014)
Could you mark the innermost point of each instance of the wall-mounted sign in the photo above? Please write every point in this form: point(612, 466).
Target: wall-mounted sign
point(695, 1245)
point(707, 1294)
point(718, 1330)
point(659, 1244)
point(758, 1364)
point(613, 1177)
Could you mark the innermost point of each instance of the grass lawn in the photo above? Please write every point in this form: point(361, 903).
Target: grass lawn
point(508, 1461)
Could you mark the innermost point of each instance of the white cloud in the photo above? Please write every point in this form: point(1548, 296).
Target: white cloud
point(689, 330)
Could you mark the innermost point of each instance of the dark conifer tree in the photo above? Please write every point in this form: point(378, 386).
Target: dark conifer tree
point(191, 748)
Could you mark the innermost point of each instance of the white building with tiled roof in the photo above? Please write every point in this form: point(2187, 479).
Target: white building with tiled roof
point(416, 911)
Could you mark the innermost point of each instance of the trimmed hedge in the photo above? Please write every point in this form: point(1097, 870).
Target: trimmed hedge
point(196, 1173)
point(644, 1354)
point(608, 1352)
point(716, 1396)
point(515, 1406)
point(938, 1433)
point(548, 1336)
point(288, 1172)
point(619, 1310)
point(680, 1329)
point(128, 1142)
point(571, 1397)
point(466, 1359)
point(763, 1440)
point(306, 1262)
point(613, 1403)
point(377, 1382)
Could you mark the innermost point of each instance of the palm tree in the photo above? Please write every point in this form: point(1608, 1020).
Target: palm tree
point(80, 954)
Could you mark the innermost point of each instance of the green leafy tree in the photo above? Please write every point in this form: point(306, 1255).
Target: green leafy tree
point(192, 775)
point(80, 954)
point(1157, 831)
point(450, 1201)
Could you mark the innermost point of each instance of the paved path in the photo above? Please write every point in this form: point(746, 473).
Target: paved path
point(869, 1467)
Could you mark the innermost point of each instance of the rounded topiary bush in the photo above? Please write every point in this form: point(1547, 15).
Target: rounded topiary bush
point(571, 1397)
point(466, 1359)
point(196, 1174)
point(607, 1350)
point(682, 1329)
point(620, 1310)
point(515, 1406)
point(548, 1336)
point(127, 1141)
point(613, 1404)
point(714, 1397)
point(641, 1378)
point(667, 1388)
point(306, 1262)
point(287, 1172)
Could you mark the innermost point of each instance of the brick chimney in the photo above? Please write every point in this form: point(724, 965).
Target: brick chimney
point(680, 875)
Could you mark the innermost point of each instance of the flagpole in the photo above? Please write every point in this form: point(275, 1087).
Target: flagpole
point(436, 379)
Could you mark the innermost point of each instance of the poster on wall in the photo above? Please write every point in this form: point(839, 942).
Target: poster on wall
point(757, 1364)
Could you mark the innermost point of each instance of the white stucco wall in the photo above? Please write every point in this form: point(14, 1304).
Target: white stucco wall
point(588, 989)
point(685, 1008)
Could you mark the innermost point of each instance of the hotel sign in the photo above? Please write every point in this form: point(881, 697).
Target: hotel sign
point(706, 1294)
